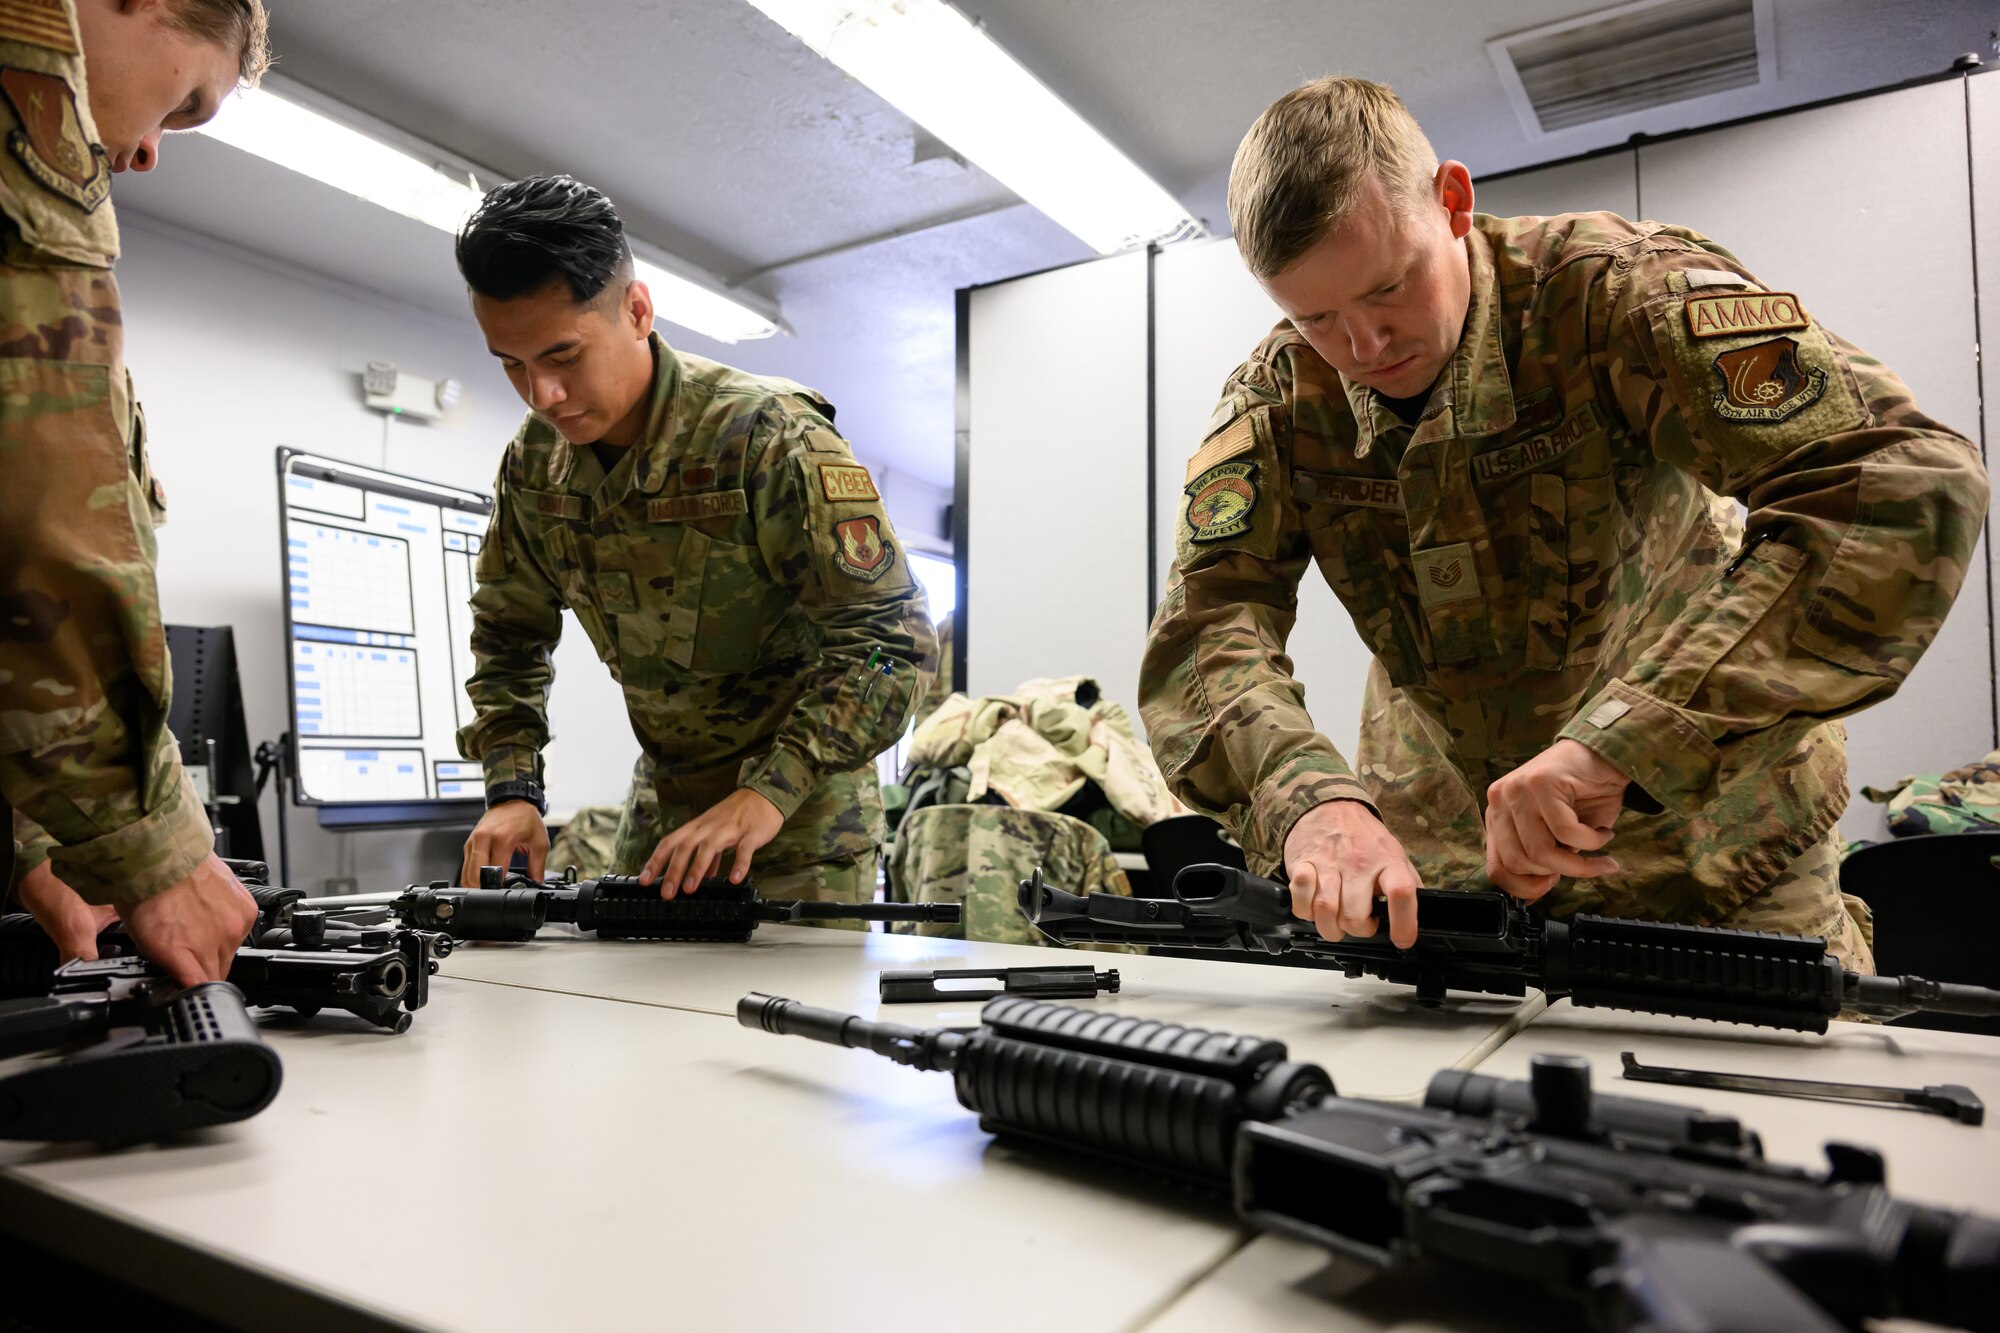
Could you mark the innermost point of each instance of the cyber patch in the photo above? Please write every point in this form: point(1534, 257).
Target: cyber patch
point(859, 549)
point(1732, 313)
point(846, 482)
point(41, 23)
point(1221, 501)
point(1765, 383)
point(51, 143)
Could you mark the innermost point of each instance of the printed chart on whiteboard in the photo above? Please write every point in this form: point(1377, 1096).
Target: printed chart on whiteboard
point(378, 573)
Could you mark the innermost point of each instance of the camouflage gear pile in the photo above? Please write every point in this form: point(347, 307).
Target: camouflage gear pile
point(737, 575)
point(84, 748)
point(978, 855)
point(1038, 747)
point(1965, 800)
point(587, 841)
point(1541, 556)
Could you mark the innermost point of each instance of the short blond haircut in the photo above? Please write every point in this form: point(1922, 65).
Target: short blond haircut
point(1302, 166)
point(242, 24)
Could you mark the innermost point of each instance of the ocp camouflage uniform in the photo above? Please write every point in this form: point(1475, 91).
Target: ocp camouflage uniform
point(737, 575)
point(1540, 557)
point(85, 753)
point(586, 841)
point(978, 855)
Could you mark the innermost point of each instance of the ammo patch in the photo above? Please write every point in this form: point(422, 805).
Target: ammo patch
point(51, 143)
point(1238, 439)
point(555, 504)
point(846, 481)
point(38, 23)
point(1732, 313)
point(1445, 574)
point(1221, 501)
point(1368, 492)
point(1765, 383)
point(711, 504)
point(1504, 462)
point(859, 549)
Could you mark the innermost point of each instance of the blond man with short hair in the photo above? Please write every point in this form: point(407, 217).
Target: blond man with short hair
point(87, 90)
point(1507, 443)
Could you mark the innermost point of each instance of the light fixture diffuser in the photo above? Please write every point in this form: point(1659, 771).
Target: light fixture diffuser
point(934, 65)
point(297, 137)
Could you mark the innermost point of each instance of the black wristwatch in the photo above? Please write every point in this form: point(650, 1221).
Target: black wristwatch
point(519, 789)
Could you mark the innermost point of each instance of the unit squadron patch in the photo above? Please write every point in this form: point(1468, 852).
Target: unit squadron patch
point(42, 23)
point(1221, 501)
point(51, 143)
point(1765, 383)
point(860, 550)
point(1732, 313)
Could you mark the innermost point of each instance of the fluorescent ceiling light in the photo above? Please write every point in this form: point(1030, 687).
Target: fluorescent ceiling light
point(295, 136)
point(928, 61)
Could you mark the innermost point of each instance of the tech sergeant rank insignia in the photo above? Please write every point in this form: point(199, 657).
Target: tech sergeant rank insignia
point(1221, 501)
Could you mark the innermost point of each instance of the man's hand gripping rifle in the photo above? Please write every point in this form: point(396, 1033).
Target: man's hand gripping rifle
point(1653, 1216)
point(1485, 941)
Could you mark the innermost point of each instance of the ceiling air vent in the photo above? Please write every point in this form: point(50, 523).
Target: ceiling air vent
point(1631, 58)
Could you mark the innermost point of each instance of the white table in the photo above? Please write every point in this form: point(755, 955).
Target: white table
point(1374, 1038)
point(576, 1134)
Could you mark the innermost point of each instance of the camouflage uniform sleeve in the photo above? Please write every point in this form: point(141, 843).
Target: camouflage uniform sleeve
point(826, 537)
point(516, 624)
point(1224, 715)
point(84, 681)
point(1863, 516)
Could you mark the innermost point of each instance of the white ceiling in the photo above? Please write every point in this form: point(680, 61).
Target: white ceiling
point(724, 140)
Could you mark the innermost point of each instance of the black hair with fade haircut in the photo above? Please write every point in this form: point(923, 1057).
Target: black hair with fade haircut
point(528, 233)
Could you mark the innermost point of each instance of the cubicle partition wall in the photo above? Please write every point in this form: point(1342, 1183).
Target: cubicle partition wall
point(1881, 211)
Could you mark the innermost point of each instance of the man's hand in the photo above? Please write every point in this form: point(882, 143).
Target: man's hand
point(1543, 816)
point(509, 827)
point(740, 822)
point(1341, 859)
point(196, 927)
point(70, 921)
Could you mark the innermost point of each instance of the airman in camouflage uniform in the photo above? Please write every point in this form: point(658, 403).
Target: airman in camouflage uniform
point(86, 760)
point(739, 578)
point(1537, 555)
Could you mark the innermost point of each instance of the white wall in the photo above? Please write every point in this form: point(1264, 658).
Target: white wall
point(1599, 184)
point(1058, 459)
point(233, 358)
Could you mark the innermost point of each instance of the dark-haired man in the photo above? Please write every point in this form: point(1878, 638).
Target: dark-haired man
point(87, 89)
point(729, 559)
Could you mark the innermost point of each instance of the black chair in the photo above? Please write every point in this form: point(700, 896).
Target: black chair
point(1936, 900)
point(1171, 845)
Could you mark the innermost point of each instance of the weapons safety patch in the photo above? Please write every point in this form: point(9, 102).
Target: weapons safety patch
point(1765, 383)
point(1221, 501)
point(1731, 313)
point(860, 550)
point(41, 23)
point(51, 143)
point(846, 481)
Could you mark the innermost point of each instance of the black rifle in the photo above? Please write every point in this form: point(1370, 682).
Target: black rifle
point(167, 1060)
point(616, 907)
point(1656, 1216)
point(1485, 941)
point(297, 959)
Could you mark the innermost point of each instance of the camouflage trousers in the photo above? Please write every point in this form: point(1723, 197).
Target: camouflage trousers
point(1805, 899)
point(842, 880)
point(977, 855)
